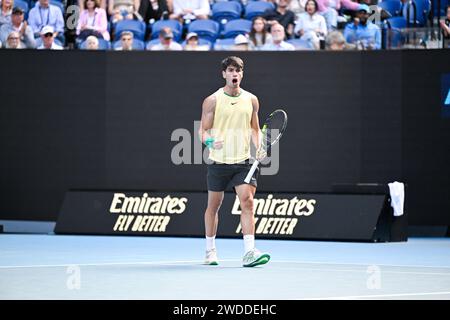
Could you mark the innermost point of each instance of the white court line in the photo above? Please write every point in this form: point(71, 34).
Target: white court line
point(381, 271)
point(108, 264)
point(224, 260)
point(362, 264)
point(382, 296)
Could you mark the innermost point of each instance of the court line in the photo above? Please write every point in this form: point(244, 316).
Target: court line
point(381, 271)
point(108, 264)
point(382, 295)
point(224, 260)
point(362, 264)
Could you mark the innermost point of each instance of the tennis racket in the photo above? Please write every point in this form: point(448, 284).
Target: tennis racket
point(272, 130)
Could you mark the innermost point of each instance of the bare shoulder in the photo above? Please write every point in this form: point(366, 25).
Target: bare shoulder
point(209, 103)
point(255, 102)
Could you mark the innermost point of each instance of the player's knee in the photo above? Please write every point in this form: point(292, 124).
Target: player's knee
point(247, 204)
point(213, 208)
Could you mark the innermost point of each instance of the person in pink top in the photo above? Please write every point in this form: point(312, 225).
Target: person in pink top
point(93, 21)
point(329, 10)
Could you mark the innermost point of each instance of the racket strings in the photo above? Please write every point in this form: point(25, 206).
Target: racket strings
point(273, 127)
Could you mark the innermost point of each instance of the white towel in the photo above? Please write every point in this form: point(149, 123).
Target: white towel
point(397, 191)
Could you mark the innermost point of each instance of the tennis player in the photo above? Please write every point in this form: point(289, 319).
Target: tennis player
point(229, 122)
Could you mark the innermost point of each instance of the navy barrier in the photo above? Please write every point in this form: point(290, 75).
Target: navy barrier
point(353, 217)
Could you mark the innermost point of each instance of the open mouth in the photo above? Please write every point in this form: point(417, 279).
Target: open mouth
point(234, 81)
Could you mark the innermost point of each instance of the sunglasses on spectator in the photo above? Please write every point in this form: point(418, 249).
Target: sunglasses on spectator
point(48, 35)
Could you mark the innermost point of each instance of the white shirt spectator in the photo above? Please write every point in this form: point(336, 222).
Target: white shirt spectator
point(174, 46)
point(199, 7)
point(306, 22)
point(282, 46)
point(54, 47)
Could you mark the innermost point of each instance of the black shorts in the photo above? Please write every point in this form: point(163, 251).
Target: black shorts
point(221, 175)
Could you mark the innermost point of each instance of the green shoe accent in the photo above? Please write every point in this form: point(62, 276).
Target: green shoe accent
point(214, 263)
point(261, 260)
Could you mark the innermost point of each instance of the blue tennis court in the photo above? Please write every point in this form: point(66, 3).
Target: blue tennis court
point(106, 267)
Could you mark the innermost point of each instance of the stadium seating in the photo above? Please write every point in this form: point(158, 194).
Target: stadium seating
point(136, 27)
point(257, 8)
point(443, 8)
point(175, 25)
point(223, 12)
point(418, 9)
point(235, 27)
point(206, 29)
point(395, 38)
point(393, 7)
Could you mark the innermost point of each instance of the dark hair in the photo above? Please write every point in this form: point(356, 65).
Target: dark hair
point(315, 4)
point(253, 32)
point(232, 61)
point(96, 2)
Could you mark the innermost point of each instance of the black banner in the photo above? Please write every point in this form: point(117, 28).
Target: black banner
point(278, 216)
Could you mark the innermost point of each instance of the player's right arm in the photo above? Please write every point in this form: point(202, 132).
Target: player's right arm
point(206, 123)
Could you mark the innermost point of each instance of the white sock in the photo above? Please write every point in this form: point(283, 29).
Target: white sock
point(210, 243)
point(249, 242)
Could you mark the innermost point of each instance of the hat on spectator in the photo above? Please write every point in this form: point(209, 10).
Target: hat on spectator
point(47, 29)
point(190, 35)
point(17, 10)
point(364, 7)
point(166, 33)
point(240, 39)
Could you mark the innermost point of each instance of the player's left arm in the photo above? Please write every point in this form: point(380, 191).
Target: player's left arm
point(254, 123)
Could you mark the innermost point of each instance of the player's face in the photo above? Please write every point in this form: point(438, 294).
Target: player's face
point(233, 76)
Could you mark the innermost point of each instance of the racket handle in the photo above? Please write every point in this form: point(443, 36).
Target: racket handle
point(251, 172)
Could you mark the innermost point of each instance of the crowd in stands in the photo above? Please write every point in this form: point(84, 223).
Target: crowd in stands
point(196, 25)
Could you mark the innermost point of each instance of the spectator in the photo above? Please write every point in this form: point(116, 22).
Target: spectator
point(166, 42)
point(278, 43)
point(335, 41)
point(445, 25)
point(363, 33)
point(6, 10)
point(152, 10)
point(18, 24)
point(13, 41)
point(92, 21)
point(124, 10)
point(187, 10)
point(259, 35)
point(48, 39)
point(241, 43)
point(92, 43)
point(44, 14)
point(283, 16)
point(126, 40)
point(329, 10)
point(311, 26)
point(192, 43)
point(297, 6)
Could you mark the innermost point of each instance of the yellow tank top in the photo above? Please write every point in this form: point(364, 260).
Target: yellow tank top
point(232, 117)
